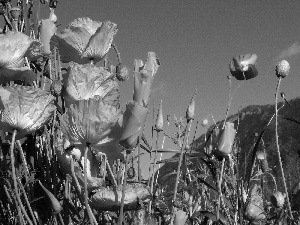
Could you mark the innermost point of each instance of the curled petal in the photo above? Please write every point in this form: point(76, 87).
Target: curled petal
point(143, 78)
point(243, 66)
point(108, 199)
point(24, 109)
point(134, 120)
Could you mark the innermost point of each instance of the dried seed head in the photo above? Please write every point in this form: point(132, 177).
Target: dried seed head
point(278, 199)
point(282, 69)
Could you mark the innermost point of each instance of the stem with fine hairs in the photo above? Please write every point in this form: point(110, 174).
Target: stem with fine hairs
point(278, 151)
point(13, 170)
point(87, 207)
point(123, 191)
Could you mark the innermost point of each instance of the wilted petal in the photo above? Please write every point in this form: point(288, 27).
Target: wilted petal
point(24, 109)
point(83, 82)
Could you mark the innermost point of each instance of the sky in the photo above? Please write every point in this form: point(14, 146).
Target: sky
point(195, 40)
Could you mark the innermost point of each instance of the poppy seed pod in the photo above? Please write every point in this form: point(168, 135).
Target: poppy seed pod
point(278, 199)
point(160, 120)
point(243, 66)
point(55, 205)
point(226, 139)
point(282, 69)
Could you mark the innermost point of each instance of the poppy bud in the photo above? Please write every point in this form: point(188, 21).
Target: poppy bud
point(160, 120)
point(282, 69)
point(55, 205)
point(180, 217)
point(278, 199)
point(204, 122)
point(264, 166)
point(190, 113)
point(56, 87)
point(122, 72)
point(226, 139)
point(260, 155)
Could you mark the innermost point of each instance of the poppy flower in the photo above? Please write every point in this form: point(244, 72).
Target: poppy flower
point(243, 67)
point(136, 112)
point(83, 82)
point(85, 40)
point(278, 199)
point(95, 123)
point(109, 199)
point(14, 47)
point(24, 109)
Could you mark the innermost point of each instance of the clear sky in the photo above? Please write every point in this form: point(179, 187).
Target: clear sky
point(195, 41)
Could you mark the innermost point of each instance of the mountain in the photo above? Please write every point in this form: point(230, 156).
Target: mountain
point(249, 123)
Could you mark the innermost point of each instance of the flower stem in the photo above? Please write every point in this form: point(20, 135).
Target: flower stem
point(179, 164)
point(123, 191)
point(87, 207)
point(278, 151)
point(13, 170)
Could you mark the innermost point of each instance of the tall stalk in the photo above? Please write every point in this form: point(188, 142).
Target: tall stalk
point(278, 151)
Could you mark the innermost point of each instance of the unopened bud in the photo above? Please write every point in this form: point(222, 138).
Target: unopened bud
point(160, 120)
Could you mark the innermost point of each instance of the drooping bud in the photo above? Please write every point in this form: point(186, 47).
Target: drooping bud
point(122, 72)
point(190, 113)
point(55, 205)
point(56, 87)
point(160, 120)
point(282, 69)
point(278, 199)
